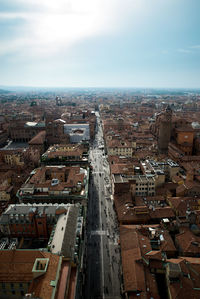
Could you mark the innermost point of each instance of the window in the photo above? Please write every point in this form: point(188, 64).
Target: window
point(12, 286)
point(13, 292)
point(22, 293)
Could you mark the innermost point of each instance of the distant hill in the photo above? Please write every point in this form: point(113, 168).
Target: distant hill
point(3, 91)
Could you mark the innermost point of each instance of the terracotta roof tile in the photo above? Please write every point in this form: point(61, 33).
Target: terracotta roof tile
point(137, 277)
point(188, 243)
point(17, 265)
point(164, 212)
point(38, 139)
point(187, 286)
point(133, 272)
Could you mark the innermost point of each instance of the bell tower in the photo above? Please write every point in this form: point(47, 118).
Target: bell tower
point(165, 125)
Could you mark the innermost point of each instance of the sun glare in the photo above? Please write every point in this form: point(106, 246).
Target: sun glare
point(64, 22)
point(54, 25)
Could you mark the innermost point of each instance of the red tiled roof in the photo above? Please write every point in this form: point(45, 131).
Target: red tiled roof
point(180, 204)
point(122, 168)
point(164, 212)
point(62, 153)
point(133, 272)
point(188, 242)
point(154, 254)
point(187, 286)
point(74, 176)
point(65, 273)
point(125, 210)
point(137, 277)
point(17, 265)
point(41, 286)
point(118, 143)
point(38, 139)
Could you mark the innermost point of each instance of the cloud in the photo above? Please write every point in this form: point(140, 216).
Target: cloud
point(180, 50)
point(164, 52)
point(185, 51)
point(188, 50)
point(195, 47)
point(51, 26)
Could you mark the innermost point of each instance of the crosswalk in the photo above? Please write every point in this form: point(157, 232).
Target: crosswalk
point(94, 172)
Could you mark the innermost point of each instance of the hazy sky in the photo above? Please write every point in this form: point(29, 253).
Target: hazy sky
point(115, 43)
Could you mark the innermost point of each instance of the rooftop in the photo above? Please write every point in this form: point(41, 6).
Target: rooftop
point(17, 266)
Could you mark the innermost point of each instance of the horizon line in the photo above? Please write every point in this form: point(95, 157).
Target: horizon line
point(96, 87)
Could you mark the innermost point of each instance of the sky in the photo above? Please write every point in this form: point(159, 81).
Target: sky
point(100, 43)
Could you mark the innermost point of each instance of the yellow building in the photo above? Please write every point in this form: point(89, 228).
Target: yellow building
point(119, 148)
point(13, 157)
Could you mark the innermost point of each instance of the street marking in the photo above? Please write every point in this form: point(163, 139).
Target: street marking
point(98, 232)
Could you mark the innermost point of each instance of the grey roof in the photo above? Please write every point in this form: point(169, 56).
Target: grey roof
point(4, 219)
point(69, 239)
point(27, 208)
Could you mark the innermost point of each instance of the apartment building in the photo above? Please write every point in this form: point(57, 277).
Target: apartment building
point(60, 228)
point(139, 185)
point(145, 185)
point(65, 154)
point(162, 170)
point(21, 131)
point(119, 148)
point(55, 184)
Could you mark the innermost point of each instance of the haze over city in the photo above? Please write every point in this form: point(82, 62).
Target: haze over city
point(99, 43)
point(99, 149)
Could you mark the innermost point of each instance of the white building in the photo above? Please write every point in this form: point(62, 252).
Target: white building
point(77, 132)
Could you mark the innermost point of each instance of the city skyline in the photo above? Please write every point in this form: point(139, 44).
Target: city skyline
point(152, 44)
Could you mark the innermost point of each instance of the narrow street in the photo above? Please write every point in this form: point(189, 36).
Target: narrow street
point(102, 250)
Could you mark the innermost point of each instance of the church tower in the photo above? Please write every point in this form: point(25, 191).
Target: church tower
point(165, 126)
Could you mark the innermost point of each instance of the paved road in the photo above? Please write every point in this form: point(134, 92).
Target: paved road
point(102, 250)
